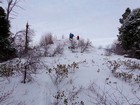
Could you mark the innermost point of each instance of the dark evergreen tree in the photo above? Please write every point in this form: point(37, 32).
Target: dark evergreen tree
point(4, 24)
point(6, 52)
point(124, 16)
point(129, 32)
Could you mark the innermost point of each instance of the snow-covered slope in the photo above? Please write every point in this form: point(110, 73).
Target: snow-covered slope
point(90, 81)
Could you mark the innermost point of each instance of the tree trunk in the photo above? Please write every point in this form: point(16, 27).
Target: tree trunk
point(26, 38)
point(25, 75)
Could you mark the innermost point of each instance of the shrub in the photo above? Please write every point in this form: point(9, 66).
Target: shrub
point(6, 71)
point(46, 40)
point(68, 97)
point(84, 45)
point(114, 65)
point(115, 48)
point(29, 67)
point(73, 45)
point(125, 74)
point(26, 67)
point(113, 96)
point(9, 68)
point(58, 50)
point(45, 43)
point(61, 71)
point(4, 96)
point(108, 51)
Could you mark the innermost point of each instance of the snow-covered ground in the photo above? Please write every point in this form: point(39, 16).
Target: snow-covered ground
point(91, 81)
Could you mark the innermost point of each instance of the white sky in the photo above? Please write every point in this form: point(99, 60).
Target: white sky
point(97, 20)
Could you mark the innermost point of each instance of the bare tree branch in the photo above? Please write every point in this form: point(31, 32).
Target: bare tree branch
point(11, 4)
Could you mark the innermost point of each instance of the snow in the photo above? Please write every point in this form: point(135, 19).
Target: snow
point(92, 81)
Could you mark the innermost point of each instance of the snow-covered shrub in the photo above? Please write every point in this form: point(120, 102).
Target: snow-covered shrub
point(68, 97)
point(58, 50)
point(125, 74)
point(60, 98)
point(26, 67)
point(36, 51)
point(115, 48)
point(100, 47)
point(9, 68)
point(73, 45)
point(4, 96)
point(72, 67)
point(108, 51)
point(137, 78)
point(80, 45)
point(6, 71)
point(127, 77)
point(132, 65)
point(46, 46)
point(29, 67)
point(61, 71)
point(49, 50)
point(100, 96)
point(84, 45)
point(114, 65)
point(40, 51)
point(46, 39)
point(133, 53)
point(46, 50)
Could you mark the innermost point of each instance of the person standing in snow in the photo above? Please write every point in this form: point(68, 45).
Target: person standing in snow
point(78, 37)
point(71, 36)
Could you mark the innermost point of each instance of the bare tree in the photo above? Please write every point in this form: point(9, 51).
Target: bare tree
point(30, 66)
point(11, 4)
point(22, 39)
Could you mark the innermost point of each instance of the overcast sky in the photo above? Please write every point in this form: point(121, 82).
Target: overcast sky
point(93, 19)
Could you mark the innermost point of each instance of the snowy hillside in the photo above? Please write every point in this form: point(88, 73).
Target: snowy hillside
point(74, 78)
